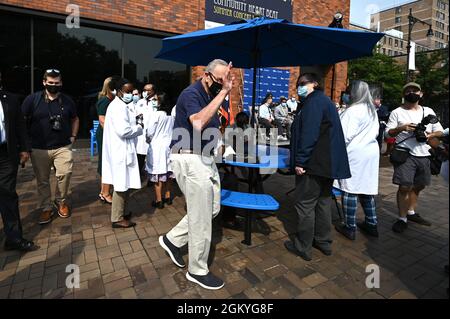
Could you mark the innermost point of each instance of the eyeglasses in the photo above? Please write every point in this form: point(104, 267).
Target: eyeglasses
point(52, 71)
point(215, 79)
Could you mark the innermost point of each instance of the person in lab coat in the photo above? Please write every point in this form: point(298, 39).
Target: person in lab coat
point(361, 128)
point(159, 128)
point(120, 166)
point(145, 106)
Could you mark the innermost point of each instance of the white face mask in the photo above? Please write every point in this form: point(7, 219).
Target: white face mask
point(154, 104)
point(144, 94)
point(127, 97)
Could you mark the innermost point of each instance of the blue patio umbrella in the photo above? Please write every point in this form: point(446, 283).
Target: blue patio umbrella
point(263, 42)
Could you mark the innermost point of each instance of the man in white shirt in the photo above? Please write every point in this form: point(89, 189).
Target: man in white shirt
point(414, 174)
point(292, 104)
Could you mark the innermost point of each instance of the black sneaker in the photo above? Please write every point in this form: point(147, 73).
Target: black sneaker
point(168, 201)
point(208, 281)
point(371, 230)
point(172, 250)
point(20, 245)
point(159, 205)
point(324, 250)
point(400, 226)
point(416, 218)
point(346, 231)
point(291, 248)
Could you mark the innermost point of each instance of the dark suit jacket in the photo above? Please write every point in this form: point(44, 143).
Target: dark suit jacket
point(317, 142)
point(16, 134)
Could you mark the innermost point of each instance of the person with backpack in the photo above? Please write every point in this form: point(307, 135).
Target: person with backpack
point(53, 124)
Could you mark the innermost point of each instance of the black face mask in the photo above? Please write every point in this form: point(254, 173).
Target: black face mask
point(412, 97)
point(214, 88)
point(53, 89)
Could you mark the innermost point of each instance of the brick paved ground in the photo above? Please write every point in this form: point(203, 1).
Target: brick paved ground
point(116, 263)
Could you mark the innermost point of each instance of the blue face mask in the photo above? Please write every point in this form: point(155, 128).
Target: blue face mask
point(135, 98)
point(127, 97)
point(302, 91)
point(346, 98)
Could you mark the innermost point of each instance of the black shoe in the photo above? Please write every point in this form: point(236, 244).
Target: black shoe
point(291, 248)
point(128, 217)
point(128, 224)
point(416, 218)
point(371, 230)
point(446, 269)
point(158, 204)
point(172, 250)
point(400, 226)
point(346, 231)
point(208, 281)
point(168, 201)
point(21, 245)
point(326, 251)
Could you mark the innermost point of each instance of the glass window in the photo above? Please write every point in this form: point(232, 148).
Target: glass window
point(390, 41)
point(396, 42)
point(384, 51)
point(85, 57)
point(398, 10)
point(15, 53)
point(141, 67)
point(398, 19)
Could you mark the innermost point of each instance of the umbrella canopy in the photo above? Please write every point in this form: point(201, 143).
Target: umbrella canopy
point(263, 42)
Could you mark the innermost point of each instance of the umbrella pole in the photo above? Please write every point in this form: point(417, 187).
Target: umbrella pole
point(255, 68)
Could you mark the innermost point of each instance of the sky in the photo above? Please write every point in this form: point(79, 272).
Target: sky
point(360, 10)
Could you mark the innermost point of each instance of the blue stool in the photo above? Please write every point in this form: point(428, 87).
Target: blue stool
point(250, 202)
point(93, 131)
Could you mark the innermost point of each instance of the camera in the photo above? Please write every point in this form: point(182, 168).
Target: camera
point(140, 120)
point(419, 132)
point(55, 121)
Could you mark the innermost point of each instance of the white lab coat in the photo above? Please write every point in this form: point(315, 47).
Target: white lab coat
point(360, 133)
point(119, 159)
point(145, 108)
point(159, 130)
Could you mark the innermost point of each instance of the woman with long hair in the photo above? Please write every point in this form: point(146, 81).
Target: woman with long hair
point(104, 98)
point(360, 126)
point(159, 130)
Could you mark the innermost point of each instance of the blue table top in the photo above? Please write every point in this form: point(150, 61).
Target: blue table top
point(268, 156)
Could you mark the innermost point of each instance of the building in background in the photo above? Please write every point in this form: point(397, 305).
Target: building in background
point(122, 38)
point(393, 43)
point(435, 12)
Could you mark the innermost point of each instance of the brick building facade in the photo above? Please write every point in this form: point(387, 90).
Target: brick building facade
point(165, 18)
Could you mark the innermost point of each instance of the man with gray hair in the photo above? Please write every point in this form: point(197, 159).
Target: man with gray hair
point(196, 172)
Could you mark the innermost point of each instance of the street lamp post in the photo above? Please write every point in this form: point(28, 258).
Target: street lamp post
point(411, 22)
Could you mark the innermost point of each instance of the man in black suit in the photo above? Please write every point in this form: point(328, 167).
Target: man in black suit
point(13, 149)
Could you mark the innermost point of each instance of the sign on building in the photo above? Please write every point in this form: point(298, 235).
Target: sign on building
point(227, 11)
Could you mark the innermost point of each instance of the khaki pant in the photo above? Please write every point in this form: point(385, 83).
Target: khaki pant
point(42, 161)
point(119, 205)
point(200, 184)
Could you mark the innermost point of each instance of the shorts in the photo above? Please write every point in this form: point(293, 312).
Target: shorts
point(414, 172)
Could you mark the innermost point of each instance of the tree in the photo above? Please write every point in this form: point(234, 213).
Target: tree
point(432, 75)
point(382, 70)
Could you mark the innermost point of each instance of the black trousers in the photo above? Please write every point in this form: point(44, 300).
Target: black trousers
point(313, 208)
point(266, 124)
point(9, 201)
point(141, 163)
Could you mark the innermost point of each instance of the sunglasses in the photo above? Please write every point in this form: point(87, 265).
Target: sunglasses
point(52, 71)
